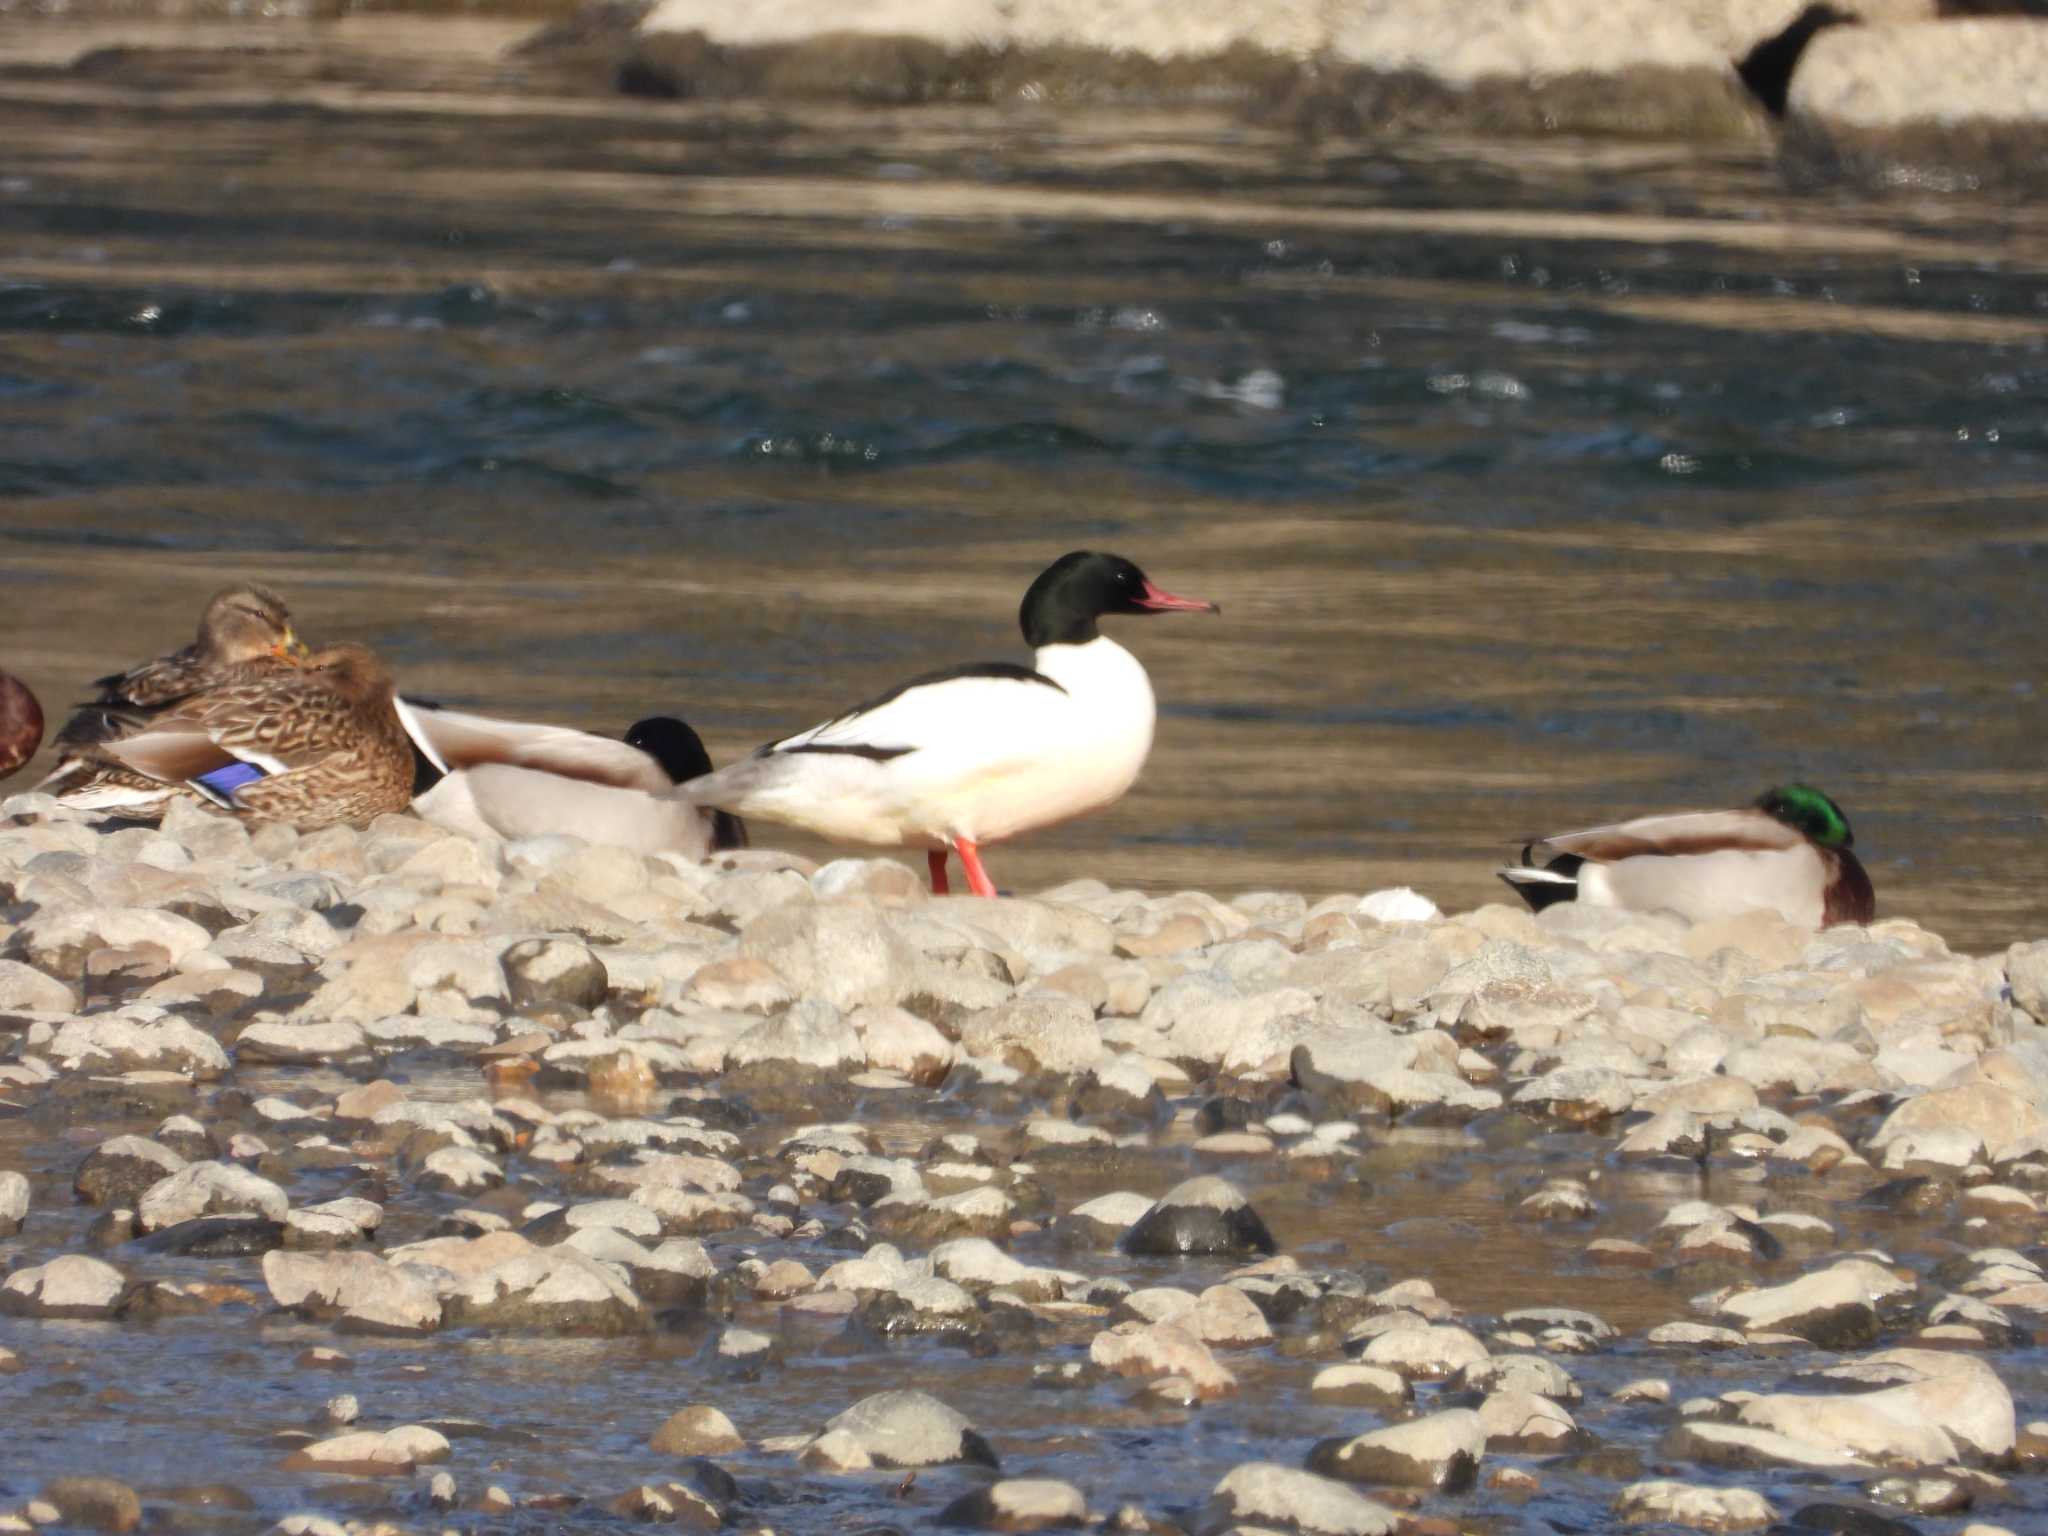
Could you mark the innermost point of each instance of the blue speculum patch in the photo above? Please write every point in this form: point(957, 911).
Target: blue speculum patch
point(225, 781)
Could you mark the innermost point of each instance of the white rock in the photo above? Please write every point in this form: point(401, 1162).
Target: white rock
point(210, 1189)
point(393, 1450)
point(1398, 904)
point(910, 1429)
point(73, 1285)
point(362, 1287)
point(1709, 1509)
point(13, 1202)
point(1265, 1493)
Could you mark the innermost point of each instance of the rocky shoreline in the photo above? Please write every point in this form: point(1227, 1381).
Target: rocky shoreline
point(1924, 94)
point(1139, 1151)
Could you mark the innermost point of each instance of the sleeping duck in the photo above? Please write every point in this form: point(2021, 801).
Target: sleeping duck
point(1789, 852)
point(315, 745)
point(245, 637)
point(513, 779)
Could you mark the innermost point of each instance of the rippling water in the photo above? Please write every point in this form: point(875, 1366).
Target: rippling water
point(1539, 483)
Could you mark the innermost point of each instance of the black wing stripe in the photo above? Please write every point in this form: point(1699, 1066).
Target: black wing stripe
point(1009, 671)
point(835, 749)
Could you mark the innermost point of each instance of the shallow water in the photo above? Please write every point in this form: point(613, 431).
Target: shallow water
point(1539, 483)
point(221, 1399)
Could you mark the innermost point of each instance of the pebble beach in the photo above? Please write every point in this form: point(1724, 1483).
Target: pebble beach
point(540, 1184)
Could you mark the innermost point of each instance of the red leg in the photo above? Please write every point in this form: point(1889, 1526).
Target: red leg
point(937, 859)
point(970, 860)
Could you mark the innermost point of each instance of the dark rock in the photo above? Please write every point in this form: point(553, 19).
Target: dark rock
point(216, 1237)
point(1199, 1216)
point(112, 1228)
point(98, 1503)
point(1440, 1451)
point(554, 973)
point(117, 1172)
point(1916, 1195)
point(1223, 1114)
point(1018, 1504)
point(1849, 1520)
point(859, 1186)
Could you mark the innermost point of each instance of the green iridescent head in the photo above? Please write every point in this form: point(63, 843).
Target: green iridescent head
point(1808, 812)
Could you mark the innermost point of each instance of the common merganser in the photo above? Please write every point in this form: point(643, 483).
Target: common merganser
point(1789, 852)
point(512, 779)
point(979, 753)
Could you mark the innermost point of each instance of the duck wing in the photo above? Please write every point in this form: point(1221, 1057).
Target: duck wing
point(978, 701)
point(453, 740)
point(1692, 832)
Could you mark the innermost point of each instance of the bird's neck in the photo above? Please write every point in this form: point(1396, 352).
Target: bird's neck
point(1094, 667)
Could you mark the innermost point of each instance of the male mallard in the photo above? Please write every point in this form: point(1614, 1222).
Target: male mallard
point(511, 779)
point(1788, 852)
point(316, 745)
point(245, 634)
point(21, 724)
point(977, 753)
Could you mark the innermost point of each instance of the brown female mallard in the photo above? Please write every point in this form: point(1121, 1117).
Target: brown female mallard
point(245, 634)
point(316, 745)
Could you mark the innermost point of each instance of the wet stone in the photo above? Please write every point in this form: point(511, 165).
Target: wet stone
point(1849, 1520)
point(541, 973)
point(1696, 1507)
point(910, 1429)
point(1205, 1215)
point(1266, 1494)
point(94, 1503)
point(72, 1285)
point(697, 1431)
point(392, 1452)
point(117, 1171)
point(216, 1237)
point(1441, 1451)
point(1362, 1386)
point(1018, 1504)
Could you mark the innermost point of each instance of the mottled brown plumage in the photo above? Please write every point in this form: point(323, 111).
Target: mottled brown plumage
point(21, 724)
point(325, 735)
point(242, 627)
point(245, 633)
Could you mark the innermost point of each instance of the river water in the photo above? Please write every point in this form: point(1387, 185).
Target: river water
point(1539, 484)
